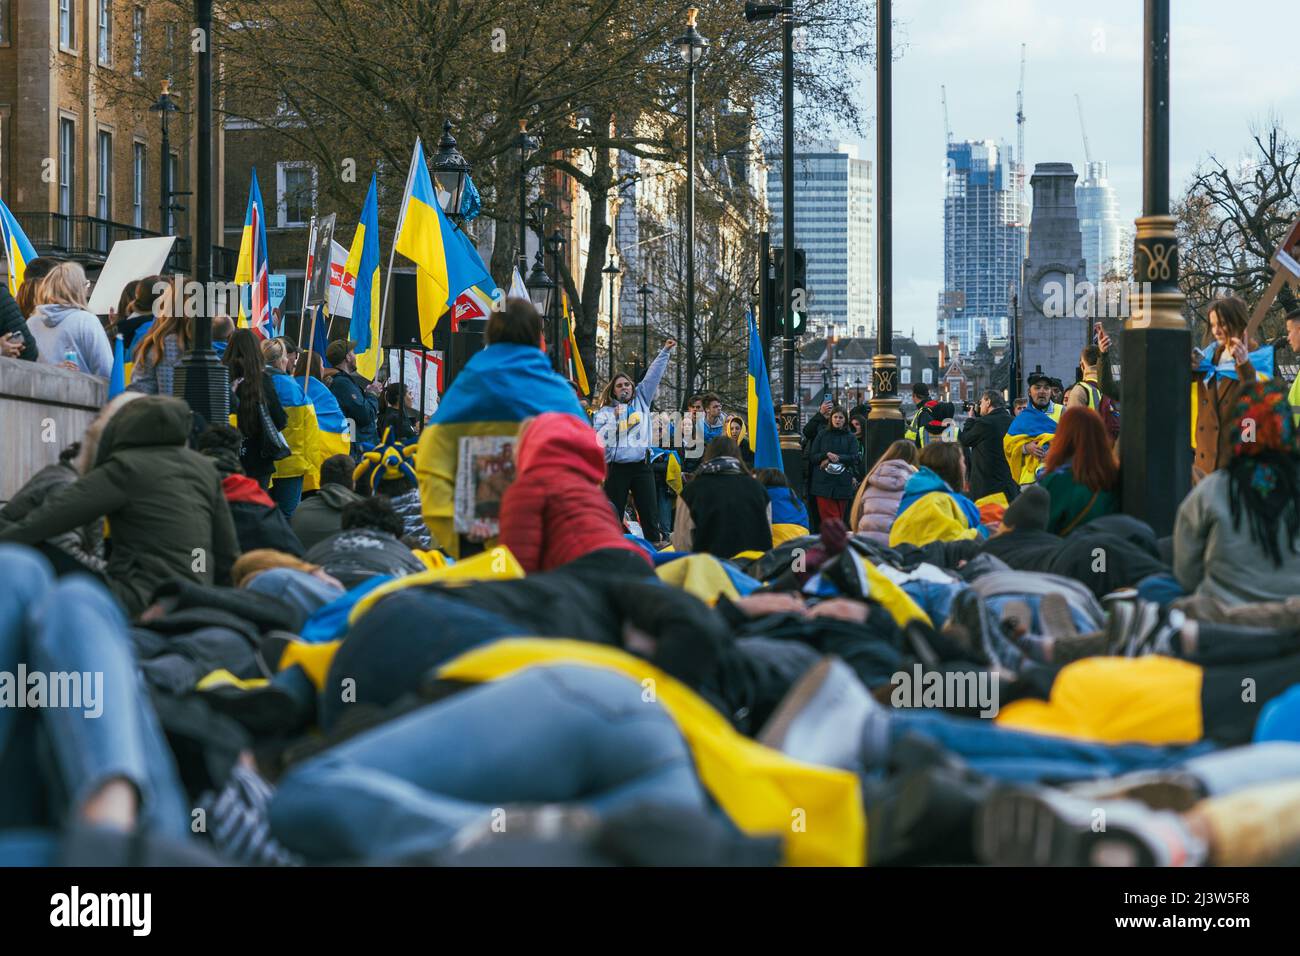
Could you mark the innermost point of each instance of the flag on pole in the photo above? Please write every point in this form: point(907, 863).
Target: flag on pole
point(762, 416)
point(117, 378)
point(252, 268)
point(449, 263)
point(18, 249)
point(343, 287)
point(573, 364)
point(517, 288)
point(363, 264)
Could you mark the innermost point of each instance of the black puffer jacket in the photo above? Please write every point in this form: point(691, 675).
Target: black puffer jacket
point(359, 554)
point(84, 544)
point(989, 472)
point(843, 443)
point(11, 320)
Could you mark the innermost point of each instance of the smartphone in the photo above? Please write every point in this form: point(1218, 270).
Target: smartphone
point(826, 399)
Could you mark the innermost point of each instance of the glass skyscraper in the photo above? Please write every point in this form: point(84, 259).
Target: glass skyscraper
point(833, 225)
point(1103, 233)
point(983, 242)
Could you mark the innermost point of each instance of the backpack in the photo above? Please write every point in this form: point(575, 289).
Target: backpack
point(1106, 407)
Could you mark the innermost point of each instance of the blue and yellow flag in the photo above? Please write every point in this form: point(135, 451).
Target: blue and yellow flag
point(18, 249)
point(117, 378)
point(1030, 425)
point(363, 262)
point(573, 358)
point(496, 390)
point(333, 437)
point(762, 416)
point(301, 432)
point(253, 268)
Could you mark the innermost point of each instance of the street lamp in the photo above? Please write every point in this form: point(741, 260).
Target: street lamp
point(644, 293)
point(692, 46)
point(526, 143)
point(554, 245)
point(200, 378)
point(540, 286)
point(163, 107)
point(450, 173)
point(613, 271)
point(1155, 385)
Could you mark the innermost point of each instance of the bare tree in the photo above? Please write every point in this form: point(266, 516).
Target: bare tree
point(1231, 221)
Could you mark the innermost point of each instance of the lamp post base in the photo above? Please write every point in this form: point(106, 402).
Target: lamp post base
point(885, 421)
point(792, 448)
point(204, 383)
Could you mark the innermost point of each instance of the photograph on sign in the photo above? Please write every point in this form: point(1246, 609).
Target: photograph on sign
point(128, 260)
point(318, 283)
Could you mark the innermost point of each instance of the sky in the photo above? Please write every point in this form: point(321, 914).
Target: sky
point(1231, 69)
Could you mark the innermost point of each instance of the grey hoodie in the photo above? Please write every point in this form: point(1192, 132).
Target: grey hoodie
point(60, 329)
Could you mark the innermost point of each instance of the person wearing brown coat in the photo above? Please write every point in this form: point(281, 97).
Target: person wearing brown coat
point(1217, 394)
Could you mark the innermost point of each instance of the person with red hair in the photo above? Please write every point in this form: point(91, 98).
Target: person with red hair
point(1080, 473)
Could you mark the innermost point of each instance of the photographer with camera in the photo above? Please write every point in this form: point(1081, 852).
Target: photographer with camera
point(981, 436)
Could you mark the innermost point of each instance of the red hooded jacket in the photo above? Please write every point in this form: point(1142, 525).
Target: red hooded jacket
point(555, 510)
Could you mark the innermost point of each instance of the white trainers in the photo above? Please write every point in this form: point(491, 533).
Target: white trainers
point(821, 718)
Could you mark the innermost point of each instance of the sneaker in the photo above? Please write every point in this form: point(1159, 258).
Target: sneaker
point(1045, 827)
point(1017, 616)
point(821, 718)
point(1119, 621)
point(1078, 646)
point(1176, 790)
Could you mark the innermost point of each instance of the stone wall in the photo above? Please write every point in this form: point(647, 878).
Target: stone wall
point(43, 409)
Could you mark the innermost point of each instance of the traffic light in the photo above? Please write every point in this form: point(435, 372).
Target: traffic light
point(800, 287)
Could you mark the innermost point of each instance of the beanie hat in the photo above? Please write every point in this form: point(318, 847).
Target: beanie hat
point(1030, 510)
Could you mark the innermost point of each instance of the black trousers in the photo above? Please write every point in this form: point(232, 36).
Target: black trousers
point(639, 478)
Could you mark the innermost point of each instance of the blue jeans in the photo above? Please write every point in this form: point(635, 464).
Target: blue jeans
point(935, 599)
point(73, 626)
point(549, 734)
point(287, 493)
point(1016, 755)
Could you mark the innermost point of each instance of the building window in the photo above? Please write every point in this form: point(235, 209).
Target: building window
point(905, 376)
point(927, 376)
point(905, 361)
point(67, 160)
point(105, 32)
point(4, 22)
point(137, 41)
point(137, 185)
point(169, 49)
point(104, 175)
point(296, 186)
point(65, 24)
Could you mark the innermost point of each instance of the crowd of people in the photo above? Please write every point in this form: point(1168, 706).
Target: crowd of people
point(641, 653)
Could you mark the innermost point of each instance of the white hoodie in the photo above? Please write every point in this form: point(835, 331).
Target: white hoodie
point(59, 329)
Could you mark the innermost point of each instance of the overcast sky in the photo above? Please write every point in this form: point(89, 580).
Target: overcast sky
point(1233, 66)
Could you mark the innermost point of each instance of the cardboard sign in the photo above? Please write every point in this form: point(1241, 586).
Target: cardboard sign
point(318, 282)
point(128, 260)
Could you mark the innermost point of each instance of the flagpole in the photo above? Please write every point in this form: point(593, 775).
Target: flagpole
point(416, 154)
point(306, 279)
point(311, 341)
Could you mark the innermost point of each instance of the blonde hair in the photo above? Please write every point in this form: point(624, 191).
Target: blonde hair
point(901, 450)
point(258, 560)
point(65, 284)
point(165, 323)
point(273, 351)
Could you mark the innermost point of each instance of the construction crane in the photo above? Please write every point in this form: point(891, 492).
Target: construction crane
point(1087, 153)
point(947, 128)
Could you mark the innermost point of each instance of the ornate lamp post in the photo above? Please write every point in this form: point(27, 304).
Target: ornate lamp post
point(450, 174)
point(526, 143)
point(613, 271)
point(644, 293)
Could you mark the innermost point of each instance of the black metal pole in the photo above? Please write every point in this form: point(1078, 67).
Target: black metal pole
point(523, 187)
point(690, 228)
point(164, 182)
point(201, 379)
point(1155, 382)
point(645, 341)
point(885, 421)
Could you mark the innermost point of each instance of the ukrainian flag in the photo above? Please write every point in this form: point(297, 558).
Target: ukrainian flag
point(252, 268)
point(18, 249)
point(363, 262)
point(496, 390)
point(302, 432)
point(117, 379)
point(573, 358)
point(762, 416)
point(331, 429)
point(1030, 425)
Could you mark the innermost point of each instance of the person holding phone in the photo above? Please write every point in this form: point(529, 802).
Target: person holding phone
point(1221, 371)
point(16, 340)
